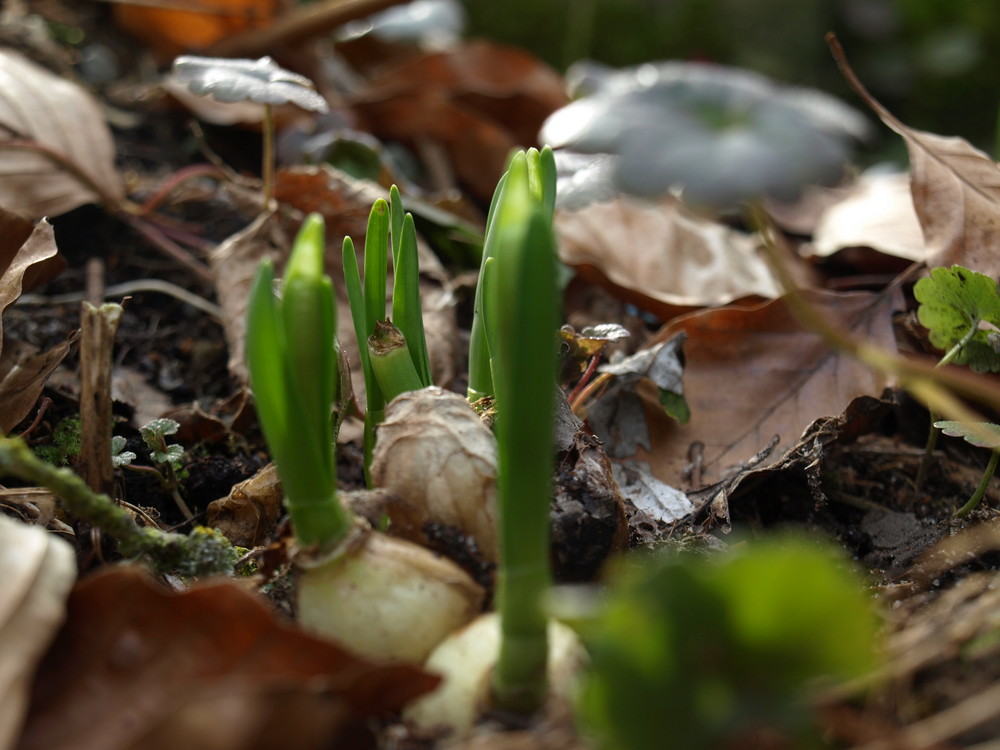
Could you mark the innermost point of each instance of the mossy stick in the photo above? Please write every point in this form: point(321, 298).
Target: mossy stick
point(200, 554)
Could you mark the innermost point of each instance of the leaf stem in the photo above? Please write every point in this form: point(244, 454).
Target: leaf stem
point(984, 484)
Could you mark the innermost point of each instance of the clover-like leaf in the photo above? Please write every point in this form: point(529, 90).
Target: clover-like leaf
point(961, 308)
point(722, 134)
point(119, 456)
point(980, 434)
point(262, 81)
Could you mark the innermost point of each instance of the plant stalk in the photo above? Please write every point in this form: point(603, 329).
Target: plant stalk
point(524, 371)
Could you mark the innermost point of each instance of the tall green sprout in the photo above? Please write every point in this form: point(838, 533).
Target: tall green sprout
point(387, 223)
point(521, 306)
point(292, 361)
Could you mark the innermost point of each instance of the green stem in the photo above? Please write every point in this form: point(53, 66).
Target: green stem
point(293, 373)
point(524, 370)
point(984, 484)
point(200, 554)
point(391, 361)
point(406, 310)
point(932, 433)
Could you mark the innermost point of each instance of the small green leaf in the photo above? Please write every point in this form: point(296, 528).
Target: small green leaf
point(707, 652)
point(954, 302)
point(119, 456)
point(981, 434)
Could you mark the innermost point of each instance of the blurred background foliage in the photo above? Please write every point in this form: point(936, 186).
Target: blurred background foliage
point(934, 63)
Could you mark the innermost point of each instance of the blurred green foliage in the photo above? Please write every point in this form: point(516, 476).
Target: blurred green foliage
point(932, 63)
point(693, 653)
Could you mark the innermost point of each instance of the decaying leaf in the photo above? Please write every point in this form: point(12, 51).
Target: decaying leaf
point(956, 192)
point(753, 374)
point(137, 666)
point(38, 572)
point(662, 257)
point(23, 373)
point(876, 213)
point(28, 258)
point(656, 499)
point(37, 107)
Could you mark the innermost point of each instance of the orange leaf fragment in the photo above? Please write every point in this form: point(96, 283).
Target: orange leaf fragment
point(138, 666)
point(169, 32)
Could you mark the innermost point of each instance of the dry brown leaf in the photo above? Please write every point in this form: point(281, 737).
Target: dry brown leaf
point(67, 122)
point(661, 257)
point(956, 191)
point(38, 571)
point(28, 257)
point(876, 213)
point(24, 371)
point(137, 666)
point(479, 101)
point(249, 514)
point(754, 373)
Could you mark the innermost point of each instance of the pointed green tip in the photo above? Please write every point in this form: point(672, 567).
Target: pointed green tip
point(306, 259)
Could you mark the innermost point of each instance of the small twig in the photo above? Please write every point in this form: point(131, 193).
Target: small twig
point(128, 288)
point(202, 553)
point(153, 233)
point(300, 24)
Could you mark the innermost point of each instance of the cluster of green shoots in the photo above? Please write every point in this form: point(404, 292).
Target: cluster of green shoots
point(961, 311)
point(293, 365)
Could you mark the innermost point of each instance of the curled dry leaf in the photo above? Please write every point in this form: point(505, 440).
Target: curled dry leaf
point(137, 666)
point(28, 258)
point(956, 191)
point(753, 374)
point(876, 213)
point(38, 572)
point(64, 121)
point(437, 456)
point(661, 257)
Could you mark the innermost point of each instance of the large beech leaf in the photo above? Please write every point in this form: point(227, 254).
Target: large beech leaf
point(662, 257)
point(138, 666)
point(753, 374)
point(38, 106)
point(38, 571)
point(956, 193)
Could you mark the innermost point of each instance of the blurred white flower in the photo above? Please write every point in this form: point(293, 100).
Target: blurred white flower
point(722, 135)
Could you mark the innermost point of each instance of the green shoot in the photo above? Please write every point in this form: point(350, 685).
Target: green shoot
point(387, 224)
point(983, 435)
point(961, 311)
point(292, 362)
point(542, 184)
point(524, 309)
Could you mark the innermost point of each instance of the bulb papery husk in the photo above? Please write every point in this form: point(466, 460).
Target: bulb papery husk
point(383, 597)
point(466, 659)
point(435, 454)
